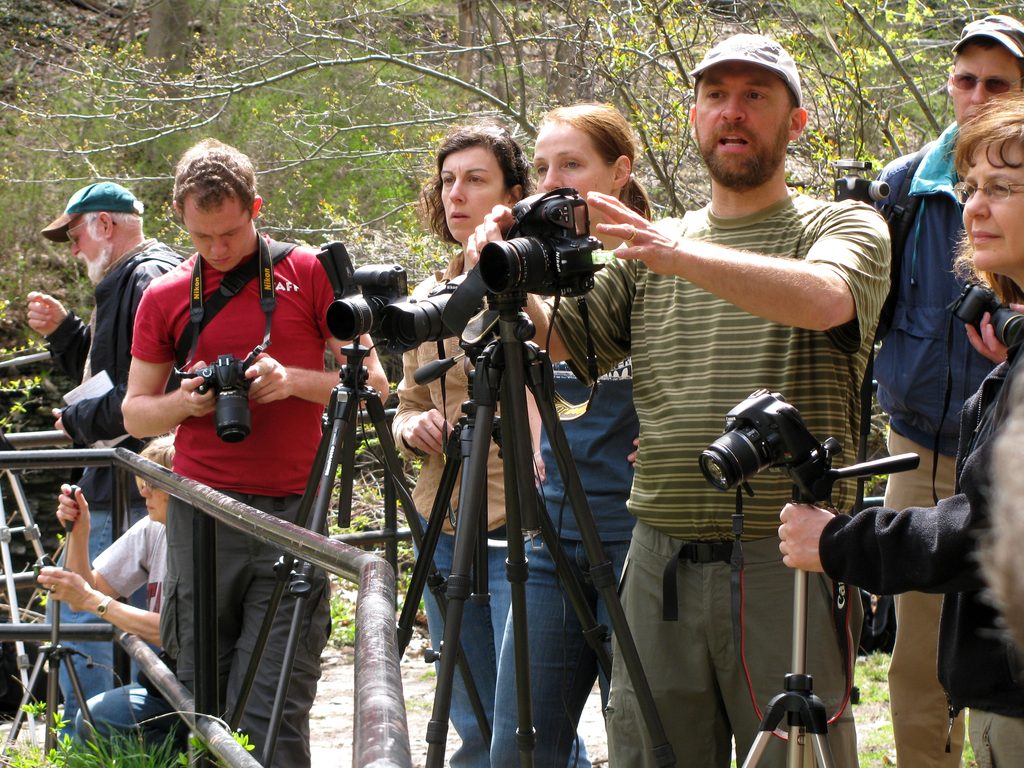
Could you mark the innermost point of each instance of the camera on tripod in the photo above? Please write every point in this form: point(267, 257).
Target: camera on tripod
point(975, 300)
point(404, 325)
point(380, 285)
point(853, 186)
point(226, 377)
point(549, 248)
point(765, 432)
point(762, 432)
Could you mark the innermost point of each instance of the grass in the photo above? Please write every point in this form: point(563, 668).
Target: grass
point(874, 725)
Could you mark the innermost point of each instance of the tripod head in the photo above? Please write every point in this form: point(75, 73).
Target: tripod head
point(763, 432)
point(810, 485)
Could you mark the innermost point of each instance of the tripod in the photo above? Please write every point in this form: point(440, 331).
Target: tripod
point(505, 367)
point(31, 533)
point(805, 713)
point(337, 448)
point(53, 655)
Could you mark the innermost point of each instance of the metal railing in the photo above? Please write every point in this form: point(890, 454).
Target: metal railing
point(381, 733)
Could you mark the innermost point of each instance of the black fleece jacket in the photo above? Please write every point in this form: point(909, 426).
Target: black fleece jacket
point(117, 298)
point(935, 549)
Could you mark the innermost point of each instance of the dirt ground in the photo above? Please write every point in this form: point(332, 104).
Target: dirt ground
point(332, 715)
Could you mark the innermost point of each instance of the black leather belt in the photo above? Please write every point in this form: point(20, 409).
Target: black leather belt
point(706, 551)
point(700, 552)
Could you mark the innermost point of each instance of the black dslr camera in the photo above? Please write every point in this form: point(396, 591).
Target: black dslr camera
point(549, 248)
point(852, 186)
point(761, 432)
point(971, 305)
point(380, 285)
point(226, 378)
point(764, 431)
point(404, 325)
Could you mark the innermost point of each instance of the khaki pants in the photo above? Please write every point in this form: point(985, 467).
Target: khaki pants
point(920, 712)
point(702, 693)
point(998, 740)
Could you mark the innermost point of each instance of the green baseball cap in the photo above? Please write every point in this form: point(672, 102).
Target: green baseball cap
point(101, 196)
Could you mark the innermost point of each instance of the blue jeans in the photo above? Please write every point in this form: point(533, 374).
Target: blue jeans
point(129, 708)
point(562, 666)
point(480, 635)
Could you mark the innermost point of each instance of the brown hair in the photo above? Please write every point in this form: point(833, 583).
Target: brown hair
point(212, 172)
point(997, 126)
point(491, 135)
point(613, 138)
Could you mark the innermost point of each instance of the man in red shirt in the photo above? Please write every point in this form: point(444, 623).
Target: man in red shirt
point(215, 196)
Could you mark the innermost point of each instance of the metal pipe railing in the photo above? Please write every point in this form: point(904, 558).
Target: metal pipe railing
point(29, 359)
point(41, 632)
point(38, 439)
point(381, 728)
point(380, 717)
point(213, 731)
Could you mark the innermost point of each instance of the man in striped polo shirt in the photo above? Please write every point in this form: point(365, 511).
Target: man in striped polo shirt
point(762, 288)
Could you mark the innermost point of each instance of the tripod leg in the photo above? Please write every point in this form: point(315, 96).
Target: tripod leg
point(321, 480)
point(424, 570)
point(517, 572)
point(76, 686)
point(475, 448)
point(822, 751)
point(757, 749)
point(22, 713)
point(32, 534)
point(343, 409)
point(539, 381)
point(593, 633)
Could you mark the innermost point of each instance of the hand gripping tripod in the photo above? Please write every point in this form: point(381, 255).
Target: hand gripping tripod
point(505, 367)
point(53, 655)
point(804, 712)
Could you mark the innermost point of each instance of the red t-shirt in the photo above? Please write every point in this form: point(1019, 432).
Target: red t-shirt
point(276, 458)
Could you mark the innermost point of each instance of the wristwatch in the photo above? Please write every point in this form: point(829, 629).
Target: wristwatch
point(101, 609)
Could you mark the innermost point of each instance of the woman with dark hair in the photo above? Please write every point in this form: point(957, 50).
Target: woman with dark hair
point(588, 147)
point(479, 166)
point(935, 549)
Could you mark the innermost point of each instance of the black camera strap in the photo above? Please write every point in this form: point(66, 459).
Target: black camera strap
point(202, 311)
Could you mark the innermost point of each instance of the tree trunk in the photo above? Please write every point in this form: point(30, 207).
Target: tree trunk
point(168, 33)
point(467, 33)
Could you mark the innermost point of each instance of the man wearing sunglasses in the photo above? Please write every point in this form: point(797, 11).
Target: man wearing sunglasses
point(103, 224)
point(927, 367)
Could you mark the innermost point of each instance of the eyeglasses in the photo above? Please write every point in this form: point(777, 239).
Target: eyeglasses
point(994, 190)
point(994, 85)
point(73, 237)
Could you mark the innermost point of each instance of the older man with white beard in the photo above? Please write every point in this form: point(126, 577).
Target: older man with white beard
point(103, 223)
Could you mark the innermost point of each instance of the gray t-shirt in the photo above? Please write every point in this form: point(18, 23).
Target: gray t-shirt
point(138, 557)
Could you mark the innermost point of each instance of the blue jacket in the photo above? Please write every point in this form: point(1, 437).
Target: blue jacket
point(926, 344)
